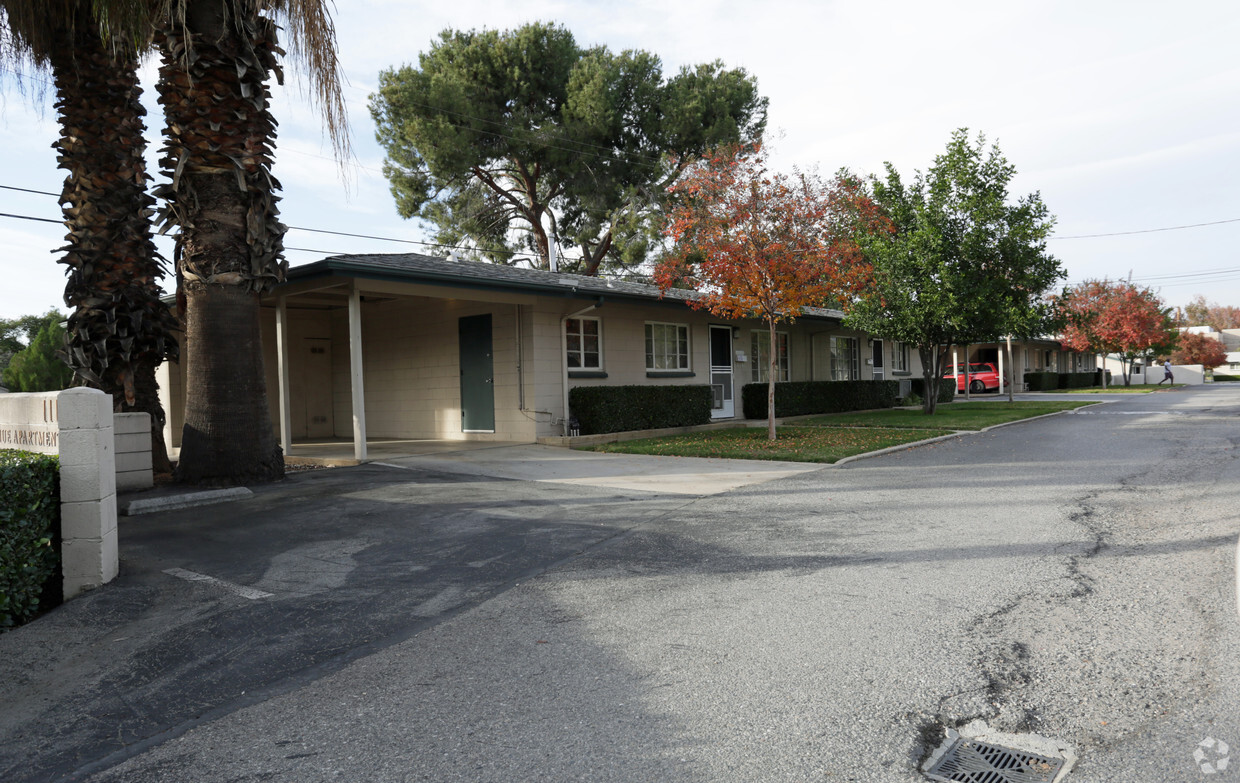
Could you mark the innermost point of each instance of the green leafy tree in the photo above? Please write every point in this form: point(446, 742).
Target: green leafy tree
point(40, 366)
point(17, 333)
point(965, 262)
point(509, 141)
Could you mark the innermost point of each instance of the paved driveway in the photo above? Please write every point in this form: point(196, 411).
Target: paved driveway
point(223, 606)
point(1071, 576)
point(675, 475)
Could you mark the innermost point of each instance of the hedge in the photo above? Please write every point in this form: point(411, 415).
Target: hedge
point(600, 409)
point(801, 397)
point(947, 389)
point(1078, 380)
point(1041, 381)
point(29, 535)
point(1048, 381)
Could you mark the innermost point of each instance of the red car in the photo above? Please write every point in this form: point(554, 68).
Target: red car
point(983, 377)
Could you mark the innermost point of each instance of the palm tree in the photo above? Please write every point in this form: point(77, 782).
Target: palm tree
point(118, 330)
point(217, 56)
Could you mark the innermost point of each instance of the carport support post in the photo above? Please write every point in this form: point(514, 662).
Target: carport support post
point(355, 374)
point(1011, 370)
point(1002, 377)
point(286, 421)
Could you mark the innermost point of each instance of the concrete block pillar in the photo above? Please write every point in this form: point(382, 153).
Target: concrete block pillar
point(89, 556)
point(132, 432)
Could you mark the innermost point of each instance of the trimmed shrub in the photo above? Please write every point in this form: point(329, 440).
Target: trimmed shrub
point(600, 409)
point(1077, 380)
point(1042, 381)
point(947, 390)
point(1098, 378)
point(29, 535)
point(801, 397)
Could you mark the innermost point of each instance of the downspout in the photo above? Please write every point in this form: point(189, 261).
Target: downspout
point(520, 363)
point(564, 353)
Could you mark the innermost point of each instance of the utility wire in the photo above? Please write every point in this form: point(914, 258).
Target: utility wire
point(297, 228)
point(28, 217)
point(1149, 230)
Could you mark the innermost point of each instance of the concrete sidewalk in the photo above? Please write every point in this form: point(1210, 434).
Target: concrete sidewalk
point(674, 475)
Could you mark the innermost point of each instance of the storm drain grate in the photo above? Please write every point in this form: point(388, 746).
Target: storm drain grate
point(967, 760)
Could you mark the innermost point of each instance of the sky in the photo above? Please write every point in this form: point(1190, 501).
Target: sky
point(1123, 115)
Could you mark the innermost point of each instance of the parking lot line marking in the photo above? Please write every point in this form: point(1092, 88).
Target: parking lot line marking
point(391, 465)
point(241, 590)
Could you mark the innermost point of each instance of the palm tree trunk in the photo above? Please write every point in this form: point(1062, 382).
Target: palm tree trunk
point(119, 331)
point(217, 58)
point(228, 425)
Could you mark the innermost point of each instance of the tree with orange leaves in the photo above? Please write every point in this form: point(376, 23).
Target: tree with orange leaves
point(1199, 349)
point(1115, 318)
point(761, 244)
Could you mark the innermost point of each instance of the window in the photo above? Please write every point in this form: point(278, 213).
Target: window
point(760, 356)
point(899, 357)
point(845, 361)
point(585, 343)
point(667, 346)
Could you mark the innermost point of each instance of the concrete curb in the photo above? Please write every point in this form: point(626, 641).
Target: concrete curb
point(208, 497)
point(901, 447)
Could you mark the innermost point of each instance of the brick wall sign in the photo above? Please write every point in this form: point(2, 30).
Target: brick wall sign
point(76, 424)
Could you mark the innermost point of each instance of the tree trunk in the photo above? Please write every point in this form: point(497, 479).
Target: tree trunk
point(968, 379)
point(228, 438)
point(933, 362)
point(217, 155)
point(770, 386)
point(119, 331)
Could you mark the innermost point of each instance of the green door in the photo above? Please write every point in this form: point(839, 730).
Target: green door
point(477, 379)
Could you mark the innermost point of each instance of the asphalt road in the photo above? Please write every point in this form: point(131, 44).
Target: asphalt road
point(1071, 576)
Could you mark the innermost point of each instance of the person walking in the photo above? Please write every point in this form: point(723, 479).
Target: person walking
point(1167, 376)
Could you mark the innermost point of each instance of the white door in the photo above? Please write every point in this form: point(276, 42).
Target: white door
point(721, 382)
point(879, 371)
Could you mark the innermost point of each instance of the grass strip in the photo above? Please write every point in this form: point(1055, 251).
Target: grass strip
point(793, 443)
point(1136, 388)
point(953, 416)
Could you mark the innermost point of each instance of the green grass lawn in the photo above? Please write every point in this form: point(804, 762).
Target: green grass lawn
point(831, 438)
point(953, 416)
point(1120, 388)
point(794, 444)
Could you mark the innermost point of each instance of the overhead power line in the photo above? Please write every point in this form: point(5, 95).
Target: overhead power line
point(1150, 230)
point(29, 217)
point(511, 253)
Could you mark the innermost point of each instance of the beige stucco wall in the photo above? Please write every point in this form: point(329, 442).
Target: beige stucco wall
point(411, 369)
point(411, 358)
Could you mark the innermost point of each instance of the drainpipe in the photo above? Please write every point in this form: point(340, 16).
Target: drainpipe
point(520, 363)
point(564, 353)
